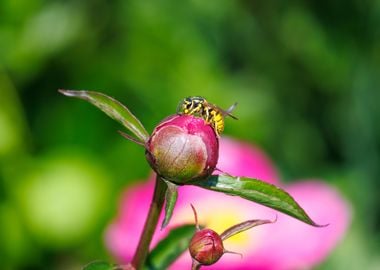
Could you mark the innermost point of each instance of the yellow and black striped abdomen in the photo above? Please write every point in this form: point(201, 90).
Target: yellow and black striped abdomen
point(216, 119)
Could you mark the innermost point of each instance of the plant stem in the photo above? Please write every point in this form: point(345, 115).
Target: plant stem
point(150, 223)
point(195, 265)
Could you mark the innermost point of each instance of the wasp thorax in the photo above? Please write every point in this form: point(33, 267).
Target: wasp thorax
point(183, 148)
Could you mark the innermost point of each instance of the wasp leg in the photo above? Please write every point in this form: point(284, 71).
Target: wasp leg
point(207, 115)
point(216, 129)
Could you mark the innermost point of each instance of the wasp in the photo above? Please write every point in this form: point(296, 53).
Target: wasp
point(212, 114)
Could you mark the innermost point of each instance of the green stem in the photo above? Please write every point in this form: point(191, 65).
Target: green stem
point(150, 224)
point(195, 265)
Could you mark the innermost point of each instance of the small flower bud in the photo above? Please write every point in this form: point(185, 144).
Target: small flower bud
point(206, 247)
point(183, 148)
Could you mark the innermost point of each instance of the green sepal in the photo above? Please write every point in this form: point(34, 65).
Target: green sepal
point(171, 196)
point(113, 109)
point(170, 248)
point(244, 226)
point(257, 191)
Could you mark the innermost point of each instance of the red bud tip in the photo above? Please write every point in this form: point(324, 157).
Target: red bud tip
point(206, 247)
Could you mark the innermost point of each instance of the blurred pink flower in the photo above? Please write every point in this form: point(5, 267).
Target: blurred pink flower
point(286, 244)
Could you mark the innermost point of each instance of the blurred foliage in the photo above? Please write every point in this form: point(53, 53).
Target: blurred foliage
point(305, 75)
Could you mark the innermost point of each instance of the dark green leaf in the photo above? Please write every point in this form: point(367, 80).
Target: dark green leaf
point(98, 265)
point(257, 191)
point(170, 248)
point(170, 201)
point(113, 109)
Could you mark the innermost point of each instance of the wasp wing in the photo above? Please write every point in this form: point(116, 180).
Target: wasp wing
point(229, 110)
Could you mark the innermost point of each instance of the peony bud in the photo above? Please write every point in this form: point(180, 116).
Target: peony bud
point(183, 148)
point(206, 247)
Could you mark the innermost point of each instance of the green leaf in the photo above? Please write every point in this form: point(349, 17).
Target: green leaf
point(99, 265)
point(170, 248)
point(113, 109)
point(171, 196)
point(257, 191)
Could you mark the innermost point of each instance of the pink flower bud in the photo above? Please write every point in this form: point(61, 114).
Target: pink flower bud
point(206, 247)
point(183, 148)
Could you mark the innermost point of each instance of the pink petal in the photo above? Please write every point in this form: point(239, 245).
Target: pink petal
point(291, 244)
point(242, 159)
point(123, 233)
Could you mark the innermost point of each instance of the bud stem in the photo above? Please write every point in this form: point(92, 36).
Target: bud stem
point(195, 265)
point(150, 224)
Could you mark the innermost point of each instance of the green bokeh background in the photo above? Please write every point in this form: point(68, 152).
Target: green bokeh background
point(306, 76)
